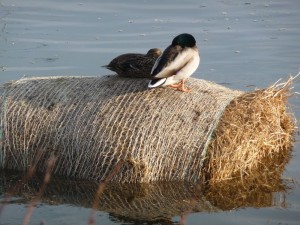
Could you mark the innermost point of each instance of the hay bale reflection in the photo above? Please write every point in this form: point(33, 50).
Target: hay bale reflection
point(156, 201)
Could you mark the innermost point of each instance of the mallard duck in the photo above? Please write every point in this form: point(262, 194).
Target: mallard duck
point(178, 62)
point(134, 64)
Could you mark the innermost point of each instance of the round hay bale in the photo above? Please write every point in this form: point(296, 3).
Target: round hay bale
point(92, 123)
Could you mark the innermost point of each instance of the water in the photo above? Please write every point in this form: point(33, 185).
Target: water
point(243, 44)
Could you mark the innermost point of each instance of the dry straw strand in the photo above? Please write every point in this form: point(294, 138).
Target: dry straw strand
point(255, 133)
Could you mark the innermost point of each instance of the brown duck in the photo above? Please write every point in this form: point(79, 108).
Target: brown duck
point(134, 65)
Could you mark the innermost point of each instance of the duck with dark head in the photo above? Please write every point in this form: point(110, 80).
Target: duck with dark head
point(178, 62)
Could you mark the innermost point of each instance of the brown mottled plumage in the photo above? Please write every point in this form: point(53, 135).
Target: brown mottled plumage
point(134, 64)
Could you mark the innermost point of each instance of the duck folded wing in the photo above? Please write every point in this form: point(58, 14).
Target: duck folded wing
point(172, 61)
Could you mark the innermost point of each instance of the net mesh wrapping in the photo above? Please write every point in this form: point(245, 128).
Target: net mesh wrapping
point(91, 123)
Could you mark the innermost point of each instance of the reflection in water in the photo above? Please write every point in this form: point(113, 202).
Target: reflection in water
point(155, 203)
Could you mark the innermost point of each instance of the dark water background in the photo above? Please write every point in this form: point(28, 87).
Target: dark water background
point(243, 45)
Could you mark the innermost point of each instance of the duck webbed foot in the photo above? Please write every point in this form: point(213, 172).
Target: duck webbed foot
point(180, 86)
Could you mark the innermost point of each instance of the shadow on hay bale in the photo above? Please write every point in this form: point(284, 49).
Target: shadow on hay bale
point(92, 123)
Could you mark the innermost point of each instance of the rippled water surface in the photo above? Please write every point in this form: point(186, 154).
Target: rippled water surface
point(243, 45)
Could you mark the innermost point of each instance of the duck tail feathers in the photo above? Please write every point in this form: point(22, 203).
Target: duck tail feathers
point(156, 83)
